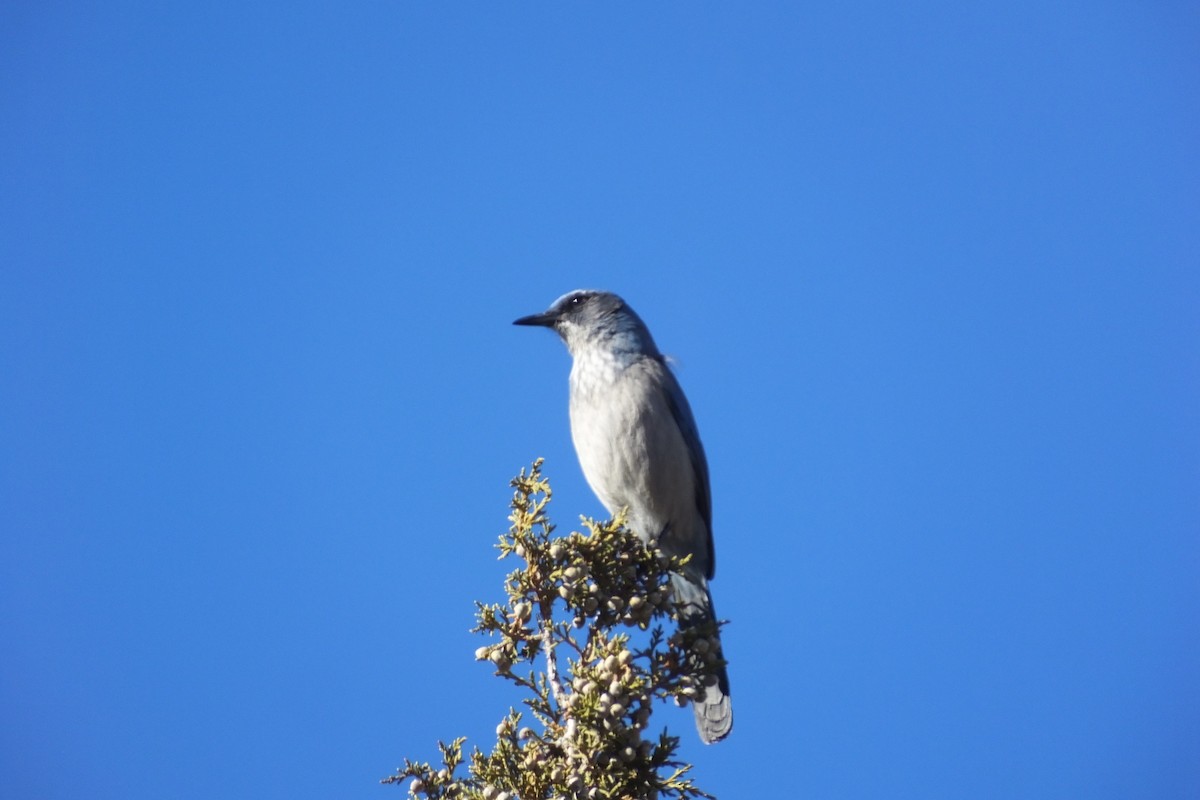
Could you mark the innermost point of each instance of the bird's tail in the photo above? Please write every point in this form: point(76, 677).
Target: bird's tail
point(714, 713)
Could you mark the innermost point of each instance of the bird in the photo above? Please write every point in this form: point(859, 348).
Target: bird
point(640, 451)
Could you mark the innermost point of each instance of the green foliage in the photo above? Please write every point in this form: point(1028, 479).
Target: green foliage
point(582, 735)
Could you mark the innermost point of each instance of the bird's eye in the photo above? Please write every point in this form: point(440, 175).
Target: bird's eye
point(578, 300)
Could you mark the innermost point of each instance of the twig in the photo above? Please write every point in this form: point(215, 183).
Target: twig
point(560, 694)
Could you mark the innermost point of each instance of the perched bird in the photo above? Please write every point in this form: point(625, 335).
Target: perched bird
point(639, 449)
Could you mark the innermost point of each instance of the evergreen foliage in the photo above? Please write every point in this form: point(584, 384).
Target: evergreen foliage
point(583, 731)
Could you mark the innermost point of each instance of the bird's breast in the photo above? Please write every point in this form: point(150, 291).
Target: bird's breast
point(603, 428)
point(629, 445)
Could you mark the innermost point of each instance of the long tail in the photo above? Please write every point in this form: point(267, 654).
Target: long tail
point(714, 713)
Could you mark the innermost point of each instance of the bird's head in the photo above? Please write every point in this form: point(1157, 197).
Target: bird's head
point(586, 318)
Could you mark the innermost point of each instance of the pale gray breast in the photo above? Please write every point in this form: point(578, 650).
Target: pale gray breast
point(599, 416)
point(632, 451)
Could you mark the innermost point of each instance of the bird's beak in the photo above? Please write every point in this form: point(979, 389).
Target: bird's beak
point(545, 320)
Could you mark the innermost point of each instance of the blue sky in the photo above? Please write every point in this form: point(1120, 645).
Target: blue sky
point(930, 274)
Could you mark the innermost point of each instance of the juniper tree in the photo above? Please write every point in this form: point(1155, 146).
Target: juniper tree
point(563, 637)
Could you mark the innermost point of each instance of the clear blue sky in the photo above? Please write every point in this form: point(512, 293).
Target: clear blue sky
point(931, 274)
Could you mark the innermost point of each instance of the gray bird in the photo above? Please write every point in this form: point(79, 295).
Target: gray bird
point(639, 449)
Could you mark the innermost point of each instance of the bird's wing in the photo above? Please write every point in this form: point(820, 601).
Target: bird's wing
point(687, 426)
